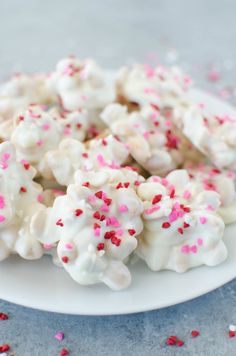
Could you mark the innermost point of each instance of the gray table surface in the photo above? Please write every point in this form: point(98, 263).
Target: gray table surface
point(34, 35)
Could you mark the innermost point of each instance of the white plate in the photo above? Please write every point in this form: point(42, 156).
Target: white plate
point(39, 284)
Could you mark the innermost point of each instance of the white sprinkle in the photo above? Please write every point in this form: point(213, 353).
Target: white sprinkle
point(232, 327)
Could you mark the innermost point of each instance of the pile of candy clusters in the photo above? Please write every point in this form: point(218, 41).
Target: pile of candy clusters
point(94, 170)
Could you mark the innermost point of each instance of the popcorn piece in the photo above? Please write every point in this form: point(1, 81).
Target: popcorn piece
point(213, 135)
point(18, 202)
point(154, 142)
point(181, 227)
point(72, 155)
point(96, 224)
point(143, 85)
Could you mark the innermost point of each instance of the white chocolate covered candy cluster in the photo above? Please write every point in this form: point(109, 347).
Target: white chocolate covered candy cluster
point(181, 227)
point(154, 141)
point(160, 86)
point(213, 135)
point(95, 225)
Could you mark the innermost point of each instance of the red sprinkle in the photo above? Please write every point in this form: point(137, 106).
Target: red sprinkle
point(79, 125)
point(166, 225)
point(119, 185)
point(180, 230)
point(171, 340)
point(86, 184)
point(99, 194)
point(126, 184)
point(186, 225)
point(23, 190)
point(85, 155)
point(131, 232)
point(78, 212)
point(4, 348)
point(65, 259)
point(107, 201)
point(109, 234)
point(100, 246)
point(96, 215)
point(104, 142)
point(195, 333)
point(96, 226)
point(157, 198)
point(231, 333)
point(26, 166)
point(102, 218)
point(172, 193)
point(59, 223)
point(179, 343)
point(64, 352)
point(3, 316)
point(115, 241)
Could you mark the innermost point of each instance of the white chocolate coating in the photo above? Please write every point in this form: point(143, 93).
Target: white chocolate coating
point(80, 84)
point(72, 155)
point(96, 225)
point(155, 143)
point(213, 135)
point(181, 227)
point(19, 200)
point(144, 85)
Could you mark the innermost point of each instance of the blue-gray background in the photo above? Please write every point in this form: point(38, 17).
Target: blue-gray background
point(199, 34)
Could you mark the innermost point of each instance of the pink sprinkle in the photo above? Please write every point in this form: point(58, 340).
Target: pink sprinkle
point(213, 75)
point(193, 248)
point(199, 242)
point(2, 202)
point(104, 208)
point(173, 216)
point(114, 221)
point(168, 123)
point(203, 220)
point(164, 182)
point(101, 160)
point(119, 232)
point(154, 115)
point(39, 142)
point(59, 336)
point(40, 198)
point(146, 134)
point(210, 207)
point(123, 208)
point(3, 165)
point(2, 218)
point(187, 194)
point(6, 156)
point(66, 131)
point(97, 232)
point(185, 249)
point(91, 199)
point(152, 209)
point(68, 246)
point(46, 127)
point(47, 246)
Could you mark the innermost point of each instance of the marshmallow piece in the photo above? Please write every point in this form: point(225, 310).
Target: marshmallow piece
point(95, 224)
point(213, 135)
point(143, 85)
point(72, 155)
point(154, 141)
point(182, 229)
point(19, 201)
point(80, 84)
